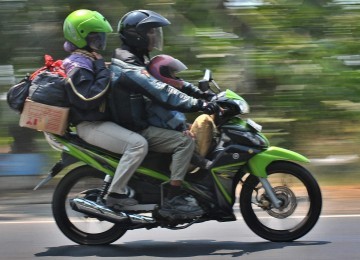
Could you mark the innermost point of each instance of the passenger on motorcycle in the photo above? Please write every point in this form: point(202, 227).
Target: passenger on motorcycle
point(165, 68)
point(89, 79)
point(141, 32)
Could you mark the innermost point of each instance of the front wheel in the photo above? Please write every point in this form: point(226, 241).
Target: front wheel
point(80, 228)
point(301, 203)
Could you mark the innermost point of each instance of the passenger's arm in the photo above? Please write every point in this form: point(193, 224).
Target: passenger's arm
point(87, 89)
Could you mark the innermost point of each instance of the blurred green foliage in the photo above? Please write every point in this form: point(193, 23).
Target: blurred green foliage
point(295, 61)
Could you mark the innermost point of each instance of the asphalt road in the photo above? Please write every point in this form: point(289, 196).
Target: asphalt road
point(27, 231)
point(334, 237)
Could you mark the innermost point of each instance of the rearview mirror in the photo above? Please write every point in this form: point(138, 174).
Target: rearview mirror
point(204, 84)
point(207, 75)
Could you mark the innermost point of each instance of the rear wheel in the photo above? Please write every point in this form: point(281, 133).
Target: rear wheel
point(301, 201)
point(78, 227)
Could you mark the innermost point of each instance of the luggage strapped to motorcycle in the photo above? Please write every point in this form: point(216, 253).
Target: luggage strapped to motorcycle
point(18, 93)
point(40, 98)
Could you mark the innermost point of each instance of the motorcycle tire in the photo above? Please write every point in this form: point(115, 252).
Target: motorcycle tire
point(76, 226)
point(301, 203)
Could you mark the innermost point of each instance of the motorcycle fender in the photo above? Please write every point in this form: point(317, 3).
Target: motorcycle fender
point(259, 162)
point(52, 174)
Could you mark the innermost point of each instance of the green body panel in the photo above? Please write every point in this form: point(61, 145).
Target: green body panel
point(225, 172)
point(74, 151)
point(91, 161)
point(232, 95)
point(238, 121)
point(258, 163)
point(71, 167)
point(90, 158)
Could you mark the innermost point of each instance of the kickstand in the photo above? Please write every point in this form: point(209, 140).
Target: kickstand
point(162, 192)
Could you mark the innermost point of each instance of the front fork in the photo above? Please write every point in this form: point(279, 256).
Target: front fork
point(270, 192)
point(259, 163)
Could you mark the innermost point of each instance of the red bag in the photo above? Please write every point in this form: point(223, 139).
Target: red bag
point(51, 66)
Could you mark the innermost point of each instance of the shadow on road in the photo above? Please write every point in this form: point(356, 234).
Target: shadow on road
point(181, 248)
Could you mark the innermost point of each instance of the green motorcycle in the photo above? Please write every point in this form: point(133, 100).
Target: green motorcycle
point(279, 199)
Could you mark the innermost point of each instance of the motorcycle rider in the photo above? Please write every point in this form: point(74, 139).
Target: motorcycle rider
point(164, 68)
point(85, 34)
point(141, 32)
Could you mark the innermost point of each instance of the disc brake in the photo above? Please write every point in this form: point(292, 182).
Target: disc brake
point(285, 195)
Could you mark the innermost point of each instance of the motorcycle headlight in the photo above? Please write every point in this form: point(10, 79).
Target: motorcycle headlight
point(243, 105)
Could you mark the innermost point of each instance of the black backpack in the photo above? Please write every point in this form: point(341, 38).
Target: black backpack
point(46, 85)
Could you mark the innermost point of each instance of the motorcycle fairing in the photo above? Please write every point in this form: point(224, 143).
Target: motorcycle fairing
point(231, 154)
point(224, 177)
point(232, 95)
point(242, 133)
point(258, 163)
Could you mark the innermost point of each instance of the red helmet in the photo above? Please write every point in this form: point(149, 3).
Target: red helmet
point(164, 67)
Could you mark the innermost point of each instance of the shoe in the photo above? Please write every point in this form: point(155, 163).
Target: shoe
point(191, 200)
point(181, 206)
point(117, 201)
point(129, 192)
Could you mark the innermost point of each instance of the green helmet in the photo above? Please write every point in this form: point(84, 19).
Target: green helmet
point(80, 23)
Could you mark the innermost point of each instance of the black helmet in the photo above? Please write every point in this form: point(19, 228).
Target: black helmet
point(141, 29)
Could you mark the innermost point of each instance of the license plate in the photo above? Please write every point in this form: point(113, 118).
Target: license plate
point(254, 125)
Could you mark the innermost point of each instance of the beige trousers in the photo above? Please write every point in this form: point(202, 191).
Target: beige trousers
point(117, 139)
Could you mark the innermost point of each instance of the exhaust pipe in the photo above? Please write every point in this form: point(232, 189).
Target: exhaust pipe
point(95, 210)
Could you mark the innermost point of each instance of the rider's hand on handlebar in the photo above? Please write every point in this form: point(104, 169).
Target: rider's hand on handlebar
point(211, 108)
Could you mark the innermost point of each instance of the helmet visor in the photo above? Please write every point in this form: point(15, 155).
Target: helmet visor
point(176, 66)
point(155, 36)
point(96, 40)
